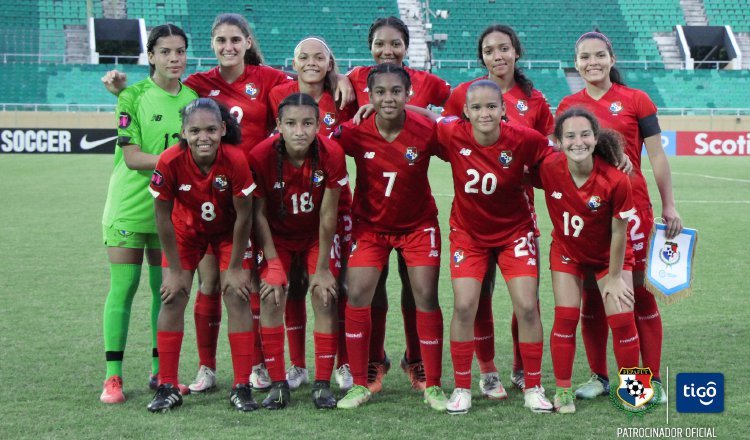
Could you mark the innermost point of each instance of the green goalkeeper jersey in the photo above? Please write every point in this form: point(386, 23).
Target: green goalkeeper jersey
point(149, 117)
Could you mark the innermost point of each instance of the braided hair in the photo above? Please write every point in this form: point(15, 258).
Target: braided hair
point(518, 76)
point(609, 143)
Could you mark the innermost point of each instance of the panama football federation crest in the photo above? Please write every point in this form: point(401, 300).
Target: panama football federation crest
point(615, 107)
point(251, 90)
point(458, 256)
point(506, 157)
point(220, 182)
point(318, 177)
point(329, 119)
point(411, 155)
point(594, 203)
point(670, 253)
point(636, 394)
point(522, 106)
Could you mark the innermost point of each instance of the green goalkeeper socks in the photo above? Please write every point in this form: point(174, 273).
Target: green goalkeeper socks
point(124, 279)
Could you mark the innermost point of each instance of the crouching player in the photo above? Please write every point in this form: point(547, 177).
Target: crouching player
point(202, 197)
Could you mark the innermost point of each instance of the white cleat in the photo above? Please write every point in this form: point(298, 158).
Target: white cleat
point(296, 377)
point(204, 381)
point(460, 401)
point(536, 401)
point(260, 379)
point(344, 377)
point(491, 386)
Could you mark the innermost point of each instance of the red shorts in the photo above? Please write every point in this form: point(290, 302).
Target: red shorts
point(248, 262)
point(558, 262)
point(420, 247)
point(191, 248)
point(469, 257)
point(306, 251)
point(639, 231)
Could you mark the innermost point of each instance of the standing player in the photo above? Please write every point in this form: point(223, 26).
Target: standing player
point(393, 208)
point(149, 121)
point(491, 219)
point(631, 113)
point(499, 49)
point(202, 198)
point(300, 174)
point(589, 201)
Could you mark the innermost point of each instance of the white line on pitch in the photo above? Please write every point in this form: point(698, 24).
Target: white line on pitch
point(705, 176)
point(714, 201)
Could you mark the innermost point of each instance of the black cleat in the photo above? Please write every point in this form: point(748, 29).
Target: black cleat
point(279, 396)
point(241, 398)
point(166, 398)
point(322, 395)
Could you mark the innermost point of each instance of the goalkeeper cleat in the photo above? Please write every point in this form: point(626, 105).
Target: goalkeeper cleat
point(354, 398)
point(112, 392)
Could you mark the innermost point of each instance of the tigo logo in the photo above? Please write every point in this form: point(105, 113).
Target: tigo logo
point(700, 392)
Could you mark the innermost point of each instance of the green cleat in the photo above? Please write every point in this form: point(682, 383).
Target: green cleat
point(435, 397)
point(662, 393)
point(355, 397)
point(563, 401)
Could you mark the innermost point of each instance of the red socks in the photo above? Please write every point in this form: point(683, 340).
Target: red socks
point(562, 343)
point(625, 339)
point(169, 345)
point(241, 345)
point(531, 352)
point(462, 353)
point(207, 314)
point(377, 333)
point(358, 324)
point(295, 318)
point(255, 309)
point(484, 336)
point(342, 355)
point(413, 352)
point(595, 331)
point(648, 322)
point(273, 352)
point(430, 328)
point(325, 355)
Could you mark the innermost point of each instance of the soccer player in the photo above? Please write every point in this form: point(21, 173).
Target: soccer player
point(202, 191)
point(393, 208)
point(317, 76)
point(300, 175)
point(631, 113)
point(499, 49)
point(589, 201)
point(491, 218)
point(148, 122)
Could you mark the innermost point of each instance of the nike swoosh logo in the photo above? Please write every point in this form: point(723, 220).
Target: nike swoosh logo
point(90, 145)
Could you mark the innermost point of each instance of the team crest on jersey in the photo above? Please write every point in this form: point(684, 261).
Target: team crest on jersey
point(522, 106)
point(221, 183)
point(458, 256)
point(615, 107)
point(669, 254)
point(411, 155)
point(318, 177)
point(251, 90)
point(506, 157)
point(157, 178)
point(594, 203)
point(329, 119)
point(124, 120)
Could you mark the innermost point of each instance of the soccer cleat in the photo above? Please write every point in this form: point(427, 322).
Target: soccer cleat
point(112, 392)
point(260, 379)
point(166, 398)
point(204, 381)
point(435, 397)
point(279, 396)
point(594, 387)
point(322, 396)
point(460, 401)
point(344, 377)
point(296, 376)
point(517, 379)
point(491, 386)
point(376, 371)
point(242, 399)
point(536, 401)
point(564, 401)
point(355, 397)
point(153, 383)
point(415, 371)
point(662, 393)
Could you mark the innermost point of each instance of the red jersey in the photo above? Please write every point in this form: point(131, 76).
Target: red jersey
point(301, 188)
point(426, 88)
point(531, 111)
point(392, 193)
point(202, 202)
point(490, 203)
point(330, 115)
point(629, 112)
point(246, 98)
point(582, 217)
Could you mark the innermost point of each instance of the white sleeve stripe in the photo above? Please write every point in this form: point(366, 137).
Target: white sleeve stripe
point(154, 192)
point(249, 189)
point(343, 181)
point(627, 214)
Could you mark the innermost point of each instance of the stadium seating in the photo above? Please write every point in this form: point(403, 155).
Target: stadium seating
point(732, 12)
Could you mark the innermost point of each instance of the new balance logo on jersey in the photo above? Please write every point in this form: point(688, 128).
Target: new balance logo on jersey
point(214, 93)
point(557, 195)
point(156, 118)
point(369, 155)
point(465, 152)
point(531, 262)
point(185, 187)
point(278, 185)
point(434, 253)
